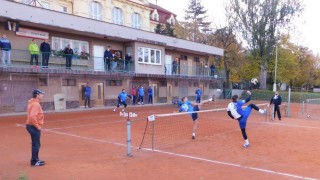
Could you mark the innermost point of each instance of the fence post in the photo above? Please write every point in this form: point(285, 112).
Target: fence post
point(129, 136)
point(288, 110)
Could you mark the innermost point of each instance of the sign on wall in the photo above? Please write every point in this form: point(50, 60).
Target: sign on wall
point(32, 33)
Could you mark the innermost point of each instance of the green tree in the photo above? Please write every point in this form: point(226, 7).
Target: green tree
point(167, 30)
point(258, 21)
point(196, 22)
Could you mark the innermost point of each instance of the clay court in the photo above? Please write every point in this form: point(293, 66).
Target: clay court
point(91, 144)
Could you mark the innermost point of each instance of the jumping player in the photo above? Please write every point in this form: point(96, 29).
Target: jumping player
point(122, 97)
point(235, 111)
point(187, 106)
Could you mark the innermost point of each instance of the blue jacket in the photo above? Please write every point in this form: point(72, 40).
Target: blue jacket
point(276, 100)
point(87, 91)
point(5, 44)
point(122, 96)
point(150, 91)
point(141, 91)
point(108, 55)
point(198, 92)
point(45, 47)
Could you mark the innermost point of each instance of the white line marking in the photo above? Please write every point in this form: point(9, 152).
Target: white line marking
point(182, 155)
point(231, 164)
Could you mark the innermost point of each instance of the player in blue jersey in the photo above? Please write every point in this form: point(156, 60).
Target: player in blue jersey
point(235, 111)
point(188, 106)
point(122, 97)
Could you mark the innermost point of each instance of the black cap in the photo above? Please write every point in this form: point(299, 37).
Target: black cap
point(37, 91)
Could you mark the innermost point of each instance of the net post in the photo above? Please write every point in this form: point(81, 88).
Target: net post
point(289, 97)
point(152, 145)
point(129, 136)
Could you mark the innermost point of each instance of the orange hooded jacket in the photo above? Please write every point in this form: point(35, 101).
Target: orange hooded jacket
point(34, 113)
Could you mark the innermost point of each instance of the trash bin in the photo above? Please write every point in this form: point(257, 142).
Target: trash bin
point(59, 102)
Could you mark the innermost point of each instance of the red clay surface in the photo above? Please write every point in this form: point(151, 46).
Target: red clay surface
point(91, 144)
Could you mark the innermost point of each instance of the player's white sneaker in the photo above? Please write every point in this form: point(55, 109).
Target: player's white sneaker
point(246, 145)
point(114, 110)
point(263, 111)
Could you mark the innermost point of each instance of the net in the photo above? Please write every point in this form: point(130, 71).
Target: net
point(174, 129)
point(310, 108)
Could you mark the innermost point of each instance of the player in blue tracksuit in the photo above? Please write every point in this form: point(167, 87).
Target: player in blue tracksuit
point(122, 97)
point(198, 95)
point(187, 106)
point(235, 111)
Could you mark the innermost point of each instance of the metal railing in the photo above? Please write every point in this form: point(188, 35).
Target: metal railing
point(195, 71)
point(83, 61)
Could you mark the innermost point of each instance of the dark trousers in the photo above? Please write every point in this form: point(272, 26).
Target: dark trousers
point(45, 59)
point(107, 64)
point(277, 110)
point(133, 100)
point(35, 143)
point(34, 56)
point(141, 99)
point(68, 62)
point(198, 99)
point(87, 101)
point(150, 99)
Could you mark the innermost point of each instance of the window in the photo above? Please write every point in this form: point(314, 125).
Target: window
point(162, 83)
point(77, 46)
point(172, 21)
point(183, 57)
point(26, 1)
point(43, 81)
point(117, 16)
point(114, 83)
point(155, 17)
point(196, 59)
point(96, 12)
point(68, 82)
point(63, 9)
point(45, 5)
point(136, 20)
point(148, 55)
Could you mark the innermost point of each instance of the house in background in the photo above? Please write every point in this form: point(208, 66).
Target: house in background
point(90, 27)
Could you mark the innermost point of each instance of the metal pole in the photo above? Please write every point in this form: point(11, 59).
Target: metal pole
point(129, 137)
point(275, 71)
point(302, 107)
point(288, 110)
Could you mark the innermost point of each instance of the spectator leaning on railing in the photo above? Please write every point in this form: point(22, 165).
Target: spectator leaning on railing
point(107, 58)
point(5, 46)
point(34, 51)
point(45, 51)
point(68, 52)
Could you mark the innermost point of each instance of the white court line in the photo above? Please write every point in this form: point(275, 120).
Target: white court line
point(85, 125)
point(183, 155)
point(231, 164)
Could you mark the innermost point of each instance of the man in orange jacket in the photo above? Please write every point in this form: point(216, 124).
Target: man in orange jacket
point(35, 119)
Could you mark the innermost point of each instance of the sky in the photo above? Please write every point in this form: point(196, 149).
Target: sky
point(307, 26)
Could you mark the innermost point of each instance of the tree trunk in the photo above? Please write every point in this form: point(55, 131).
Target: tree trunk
point(263, 76)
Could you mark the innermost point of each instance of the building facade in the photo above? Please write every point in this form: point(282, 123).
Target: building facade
point(71, 22)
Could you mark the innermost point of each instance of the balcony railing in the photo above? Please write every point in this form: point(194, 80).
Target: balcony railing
point(57, 60)
point(194, 71)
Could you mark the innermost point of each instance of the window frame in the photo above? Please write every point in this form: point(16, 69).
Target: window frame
point(136, 20)
point(145, 56)
point(117, 16)
point(96, 10)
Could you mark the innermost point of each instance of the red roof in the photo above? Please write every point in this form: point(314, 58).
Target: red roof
point(164, 14)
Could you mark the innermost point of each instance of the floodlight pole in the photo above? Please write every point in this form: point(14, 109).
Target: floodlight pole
point(275, 71)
